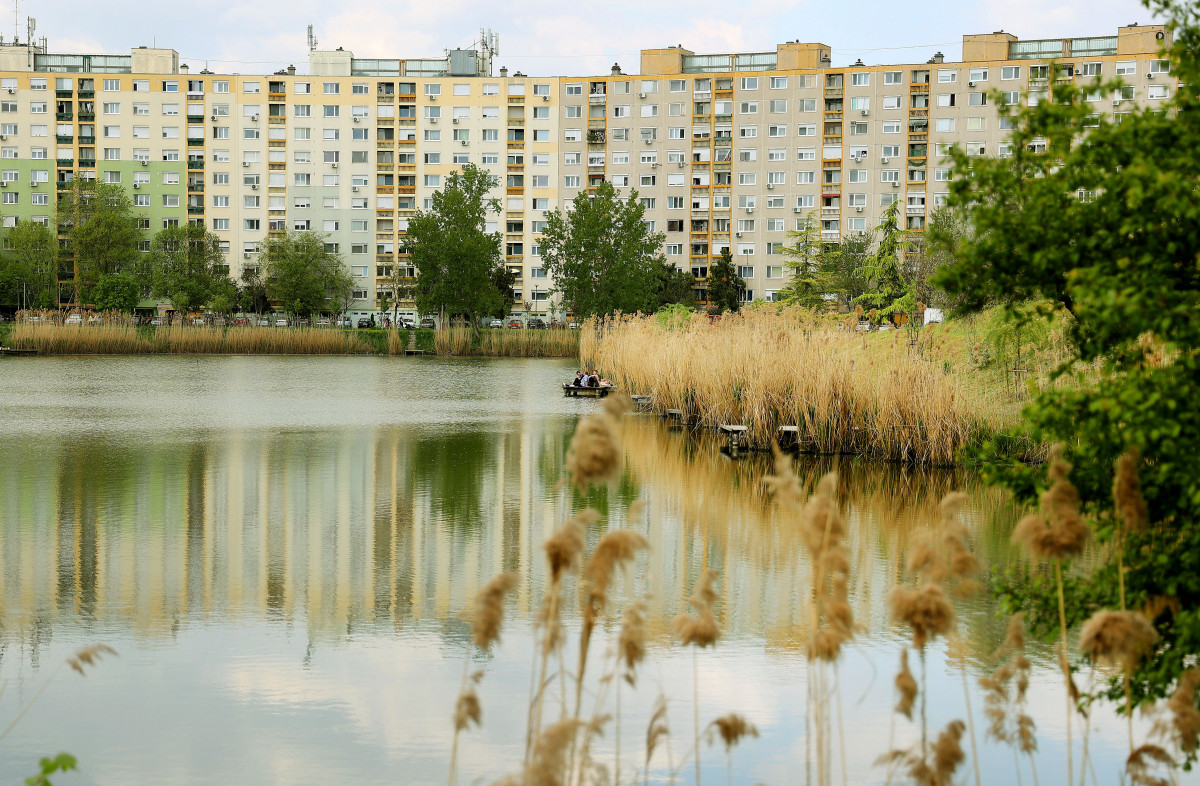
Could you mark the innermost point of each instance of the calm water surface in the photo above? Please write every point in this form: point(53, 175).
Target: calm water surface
point(280, 550)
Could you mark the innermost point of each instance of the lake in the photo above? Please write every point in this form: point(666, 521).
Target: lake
point(280, 549)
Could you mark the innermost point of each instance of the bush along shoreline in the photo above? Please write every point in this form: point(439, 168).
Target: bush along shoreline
point(49, 338)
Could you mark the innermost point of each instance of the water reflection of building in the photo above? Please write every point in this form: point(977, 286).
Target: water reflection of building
point(353, 529)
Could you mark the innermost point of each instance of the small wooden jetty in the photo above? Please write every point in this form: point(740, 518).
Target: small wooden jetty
point(414, 352)
point(641, 402)
point(574, 391)
point(17, 352)
point(736, 434)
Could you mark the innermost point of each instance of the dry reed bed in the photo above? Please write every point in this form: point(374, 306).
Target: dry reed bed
point(846, 392)
point(508, 343)
point(50, 339)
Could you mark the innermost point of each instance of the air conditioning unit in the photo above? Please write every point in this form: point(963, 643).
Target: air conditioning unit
point(884, 160)
point(433, 120)
point(858, 210)
point(970, 84)
point(245, 163)
point(432, 96)
point(12, 90)
point(1149, 75)
point(865, 113)
point(253, 118)
point(1116, 102)
point(463, 143)
point(682, 164)
point(545, 98)
point(454, 121)
point(254, 186)
point(797, 210)
point(749, 210)
point(245, 256)
point(3, 137)
point(770, 186)
point(213, 118)
point(895, 184)
point(357, 119)
point(354, 189)
point(33, 184)
point(137, 185)
point(334, 165)
point(654, 165)
point(640, 95)
point(648, 141)
point(145, 163)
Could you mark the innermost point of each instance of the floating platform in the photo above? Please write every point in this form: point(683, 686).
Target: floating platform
point(17, 352)
point(574, 391)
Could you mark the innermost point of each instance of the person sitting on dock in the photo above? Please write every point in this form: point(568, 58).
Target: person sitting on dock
point(593, 379)
point(584, 380)
point(604, 383)
point(578, 383)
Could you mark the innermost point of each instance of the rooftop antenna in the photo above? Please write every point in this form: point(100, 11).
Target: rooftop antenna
point(30, 27)
point(312, 40)
point(16, 20)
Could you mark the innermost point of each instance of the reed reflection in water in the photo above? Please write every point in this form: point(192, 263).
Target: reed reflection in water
point(286, 601)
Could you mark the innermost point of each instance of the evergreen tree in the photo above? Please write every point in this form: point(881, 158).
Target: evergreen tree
point(725, 286)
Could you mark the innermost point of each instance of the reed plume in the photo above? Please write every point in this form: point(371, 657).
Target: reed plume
point(1141, 763)
point(698, 630)
point(906, 686)
point(1185, 718)
point(1120, 638)
point(89, 656)
point(657, 730)
point(595, 454)
point(1004, 697)
point(1058, 532)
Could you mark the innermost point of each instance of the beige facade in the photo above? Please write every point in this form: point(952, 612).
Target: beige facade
point(730, 150)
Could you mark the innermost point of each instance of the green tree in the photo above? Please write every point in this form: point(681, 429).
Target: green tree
point(455, 256)
point(117, 292)
point(505, 282)
point(304, 275)
point(186, 264)
point(31, 265)
point(602, 255)
point(822, 272)
point(725, 286)
point(1105, 222)
point(252, 292)
point(674, 287)
point(887, 289)
point(102, 232)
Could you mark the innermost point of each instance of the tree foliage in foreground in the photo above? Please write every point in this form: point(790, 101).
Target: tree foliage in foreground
point(456, 258)
point(29, 267)
point(102, 228)
point(187, 266)
point(602, 255)
point(1106, 224)
point(304, 276)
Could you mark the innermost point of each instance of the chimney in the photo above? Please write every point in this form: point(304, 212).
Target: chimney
point(616, 69)
point(939, 57)
point(503, 72)
point(291, 70)
point(183, 69)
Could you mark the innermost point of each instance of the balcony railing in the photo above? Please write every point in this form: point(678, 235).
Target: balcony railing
point(195, 164)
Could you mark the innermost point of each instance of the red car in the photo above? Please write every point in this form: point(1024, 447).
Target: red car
point(515, 323)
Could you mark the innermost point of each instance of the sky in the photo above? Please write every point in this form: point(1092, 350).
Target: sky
point(549, 37)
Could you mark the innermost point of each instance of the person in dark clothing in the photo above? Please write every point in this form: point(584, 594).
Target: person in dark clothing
point(578, 383)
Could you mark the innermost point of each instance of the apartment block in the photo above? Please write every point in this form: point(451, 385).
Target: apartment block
point(725, 151)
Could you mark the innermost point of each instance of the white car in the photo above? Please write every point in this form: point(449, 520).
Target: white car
point(495, 323)
point(281, 322)
point(74, 319)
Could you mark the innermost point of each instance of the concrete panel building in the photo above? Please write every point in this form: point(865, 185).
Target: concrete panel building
point(724, 150)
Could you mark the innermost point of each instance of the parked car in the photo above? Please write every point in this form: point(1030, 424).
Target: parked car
point(495, 323)
point(155, 322)
point(322, 322)
point(198, 321)
point(365, 322)
point(407, 324)
point(74, 319)
point(537, 324)
point(342, 321)
point(264, 322)
point(281, 322)
point(304, 322)
point(574, 326)
point(428, 323)
point(515, 323)
point(95, 319)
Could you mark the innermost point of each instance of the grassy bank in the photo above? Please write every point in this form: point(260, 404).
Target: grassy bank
point(49, 338)
point(904, 395)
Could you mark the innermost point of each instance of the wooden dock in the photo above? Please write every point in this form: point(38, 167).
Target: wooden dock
point(641, 402)
point(736, 435)
point(574, 391)
point(414, 352)
point(17, 352)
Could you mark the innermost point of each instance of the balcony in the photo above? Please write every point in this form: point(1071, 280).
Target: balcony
point(516, 99)
point(833, 92)
point(195, 187)
point(87, 140)
point(87, 116)
point(195, 118)
point(66, 162)
point(917, 210)
point(88, 162)
point(195, 211)
point(276, 97)
point(86, 93)
point(195, 164)
point(919, 87)
point(830, 211)
point(830, 234)
point(833, 114)
point(64, 116)
point(64, 139)
point(193, 142)
point(516, 122)
point(597, 99)
point(918, 113)
point(63, 93)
